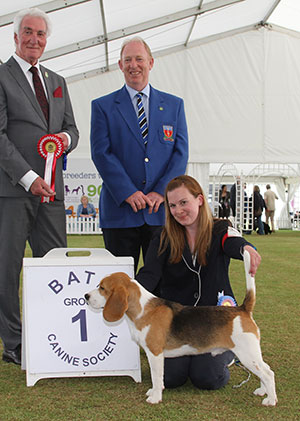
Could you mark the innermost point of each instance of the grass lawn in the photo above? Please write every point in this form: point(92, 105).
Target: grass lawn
point(120, 398)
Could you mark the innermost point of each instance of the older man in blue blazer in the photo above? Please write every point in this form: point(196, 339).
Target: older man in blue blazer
point(23, 122)
point(136, 162)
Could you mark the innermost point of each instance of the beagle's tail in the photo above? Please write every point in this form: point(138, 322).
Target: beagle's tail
point(249, 301)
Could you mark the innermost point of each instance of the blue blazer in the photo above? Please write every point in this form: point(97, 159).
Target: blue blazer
point(126, 164)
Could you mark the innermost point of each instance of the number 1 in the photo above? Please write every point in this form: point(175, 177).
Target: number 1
point(83, 330)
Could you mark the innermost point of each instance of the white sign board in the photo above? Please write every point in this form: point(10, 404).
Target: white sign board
point(62, 336)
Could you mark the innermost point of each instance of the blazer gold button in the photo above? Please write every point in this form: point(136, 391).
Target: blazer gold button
point(146, 159)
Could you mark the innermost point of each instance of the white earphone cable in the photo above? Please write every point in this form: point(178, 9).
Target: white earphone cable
point(199, 279)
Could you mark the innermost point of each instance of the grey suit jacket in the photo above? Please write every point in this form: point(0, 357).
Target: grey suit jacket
point(22, 124)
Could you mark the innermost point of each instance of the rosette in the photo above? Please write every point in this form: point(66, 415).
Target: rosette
point(226, 300)
point(50, 147)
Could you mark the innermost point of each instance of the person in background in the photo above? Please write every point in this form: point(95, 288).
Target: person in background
point(270, 198)
point(233, 194)
point(139, 142)
point(187, 262)
point(86, 209)
point(24, 119)
point(258, 207)
point(224, 200)
point(232, 199)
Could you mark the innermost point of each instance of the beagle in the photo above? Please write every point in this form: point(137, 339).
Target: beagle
point(167, 329)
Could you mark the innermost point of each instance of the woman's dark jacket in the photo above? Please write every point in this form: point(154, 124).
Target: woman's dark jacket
point(184, 281)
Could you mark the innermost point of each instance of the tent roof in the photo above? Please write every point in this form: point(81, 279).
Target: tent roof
point(87, 34)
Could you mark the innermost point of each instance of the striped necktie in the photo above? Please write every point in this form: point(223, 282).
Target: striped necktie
point(142, 117)
point(39, 91)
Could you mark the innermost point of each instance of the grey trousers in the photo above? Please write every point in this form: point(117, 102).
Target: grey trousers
point(21, 219)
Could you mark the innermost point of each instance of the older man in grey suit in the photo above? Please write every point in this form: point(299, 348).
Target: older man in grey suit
point(23, 121)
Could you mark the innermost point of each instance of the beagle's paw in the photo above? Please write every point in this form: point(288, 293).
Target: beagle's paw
point(268, 401)
point(154, 396)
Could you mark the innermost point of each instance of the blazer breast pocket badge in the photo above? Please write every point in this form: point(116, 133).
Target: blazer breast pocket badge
point(168, 133)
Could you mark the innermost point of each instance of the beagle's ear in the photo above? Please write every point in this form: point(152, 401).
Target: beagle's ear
point(116, 304)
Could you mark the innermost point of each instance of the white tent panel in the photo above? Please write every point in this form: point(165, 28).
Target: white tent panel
point(173, 34)
point(15, 5)
point(282, 98)
point(114, 49)
point(82, 93)
point(287, 14)
point(7, 47)
point(225, 19)
point(224, 100)
point(167, 36)
point(69, 24)
point(81, 61)
point(132, 12)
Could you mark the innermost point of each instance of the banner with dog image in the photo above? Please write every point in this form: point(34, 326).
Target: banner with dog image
point(81, 179)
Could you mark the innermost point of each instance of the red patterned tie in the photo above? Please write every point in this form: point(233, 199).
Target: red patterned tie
point(39, 91)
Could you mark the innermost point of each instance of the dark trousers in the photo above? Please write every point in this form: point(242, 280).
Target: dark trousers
point(21, 219)
point(128, 241)
point(205, 371)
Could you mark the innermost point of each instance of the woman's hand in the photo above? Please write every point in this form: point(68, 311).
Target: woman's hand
point(255, 259)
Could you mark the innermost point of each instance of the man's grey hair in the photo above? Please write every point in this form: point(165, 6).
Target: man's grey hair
point(35, 12)
point(135, 39)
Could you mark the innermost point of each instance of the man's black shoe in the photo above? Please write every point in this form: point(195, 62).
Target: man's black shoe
point(12, 355)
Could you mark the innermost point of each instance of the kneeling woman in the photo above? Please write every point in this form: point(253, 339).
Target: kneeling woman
point(187, 262)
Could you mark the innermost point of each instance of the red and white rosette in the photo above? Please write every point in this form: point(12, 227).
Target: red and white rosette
point(50, 147)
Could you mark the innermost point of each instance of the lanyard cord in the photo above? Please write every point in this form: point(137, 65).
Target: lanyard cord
point(199, 279)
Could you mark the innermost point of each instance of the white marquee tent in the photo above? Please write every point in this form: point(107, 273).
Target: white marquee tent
point(236, 63)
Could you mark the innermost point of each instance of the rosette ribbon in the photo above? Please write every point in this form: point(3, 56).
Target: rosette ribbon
point(50, 147)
